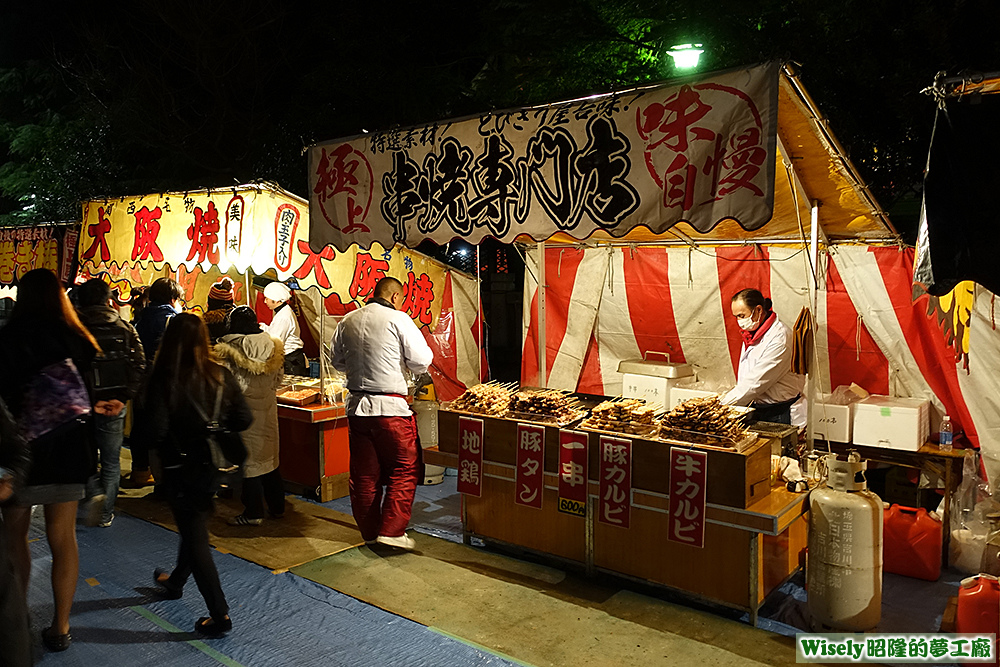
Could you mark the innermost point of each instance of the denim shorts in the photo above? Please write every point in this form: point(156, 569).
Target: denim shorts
point(48, 494)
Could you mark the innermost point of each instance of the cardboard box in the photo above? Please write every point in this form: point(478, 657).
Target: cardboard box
point(831, 421)
point(893, 423)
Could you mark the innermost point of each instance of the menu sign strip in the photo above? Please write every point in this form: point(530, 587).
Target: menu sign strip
point(573, 472)
point(470, 456)
point(615, 502)
point(688, 476)
point(530, 473)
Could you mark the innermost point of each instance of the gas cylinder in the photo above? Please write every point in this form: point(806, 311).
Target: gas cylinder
point(912, 543)
point(978, 605)
point(845, 548)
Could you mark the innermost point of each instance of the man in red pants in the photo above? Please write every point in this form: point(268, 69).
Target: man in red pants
point(372, 345)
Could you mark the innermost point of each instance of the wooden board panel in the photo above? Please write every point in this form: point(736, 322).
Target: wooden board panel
point(547, 530)
point(735, 479)
point(782, 554)
point(299, 444)
point(720, 571)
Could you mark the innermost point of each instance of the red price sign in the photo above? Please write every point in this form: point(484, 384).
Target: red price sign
point(616, 481)
point(688, 474)
point(530, 473)
point(573, 472)
point(470, 456)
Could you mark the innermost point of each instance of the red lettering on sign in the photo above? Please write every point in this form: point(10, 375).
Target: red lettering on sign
point(204, 234)
point(313, 263)
point(419, 294)
point(344, 174)
point(98, 231)
point(367, 272)
point(147, 228)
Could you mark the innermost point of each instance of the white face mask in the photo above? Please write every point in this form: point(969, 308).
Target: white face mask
point(747, 323)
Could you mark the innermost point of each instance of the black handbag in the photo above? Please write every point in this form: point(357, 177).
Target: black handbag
point(226, 449)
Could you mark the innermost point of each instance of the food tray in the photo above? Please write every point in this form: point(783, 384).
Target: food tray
point(311, 397)
point(447, 406)
point(677, 436)
point(628, 429)
point(547, 420)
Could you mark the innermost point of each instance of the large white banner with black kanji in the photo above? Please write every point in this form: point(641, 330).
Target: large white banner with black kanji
point(700, 152)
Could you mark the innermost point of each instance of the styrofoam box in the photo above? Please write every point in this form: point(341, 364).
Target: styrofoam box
point(679, 394)
point(831, 421)
point(893, 423)
point(654, 389)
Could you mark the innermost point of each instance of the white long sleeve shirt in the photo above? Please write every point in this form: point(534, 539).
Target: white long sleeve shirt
point(765, 370)
point(373, 345)
point(285, 328)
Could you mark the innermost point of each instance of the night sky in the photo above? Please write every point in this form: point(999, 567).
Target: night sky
point(155, 95)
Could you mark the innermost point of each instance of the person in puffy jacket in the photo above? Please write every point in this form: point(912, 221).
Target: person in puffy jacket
point(257, 360)
point(178, 420)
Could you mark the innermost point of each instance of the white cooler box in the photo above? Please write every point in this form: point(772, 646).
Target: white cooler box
point(831, 421)
point(893, 423)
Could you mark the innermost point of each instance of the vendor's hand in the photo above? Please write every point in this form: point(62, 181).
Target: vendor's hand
point(110, 408)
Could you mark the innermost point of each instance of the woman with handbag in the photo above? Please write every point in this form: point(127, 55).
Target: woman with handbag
point(193, 408)
point(41, 349)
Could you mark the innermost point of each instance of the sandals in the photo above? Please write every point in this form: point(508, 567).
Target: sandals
point(167, 590)
point(211, 627)
point(56, 642)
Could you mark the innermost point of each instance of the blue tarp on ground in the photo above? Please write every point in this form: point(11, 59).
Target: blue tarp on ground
point(278, 619)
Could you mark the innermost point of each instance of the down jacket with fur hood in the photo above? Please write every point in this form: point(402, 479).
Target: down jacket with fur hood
point(257, 361)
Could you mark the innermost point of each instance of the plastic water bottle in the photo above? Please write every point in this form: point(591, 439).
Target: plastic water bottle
point(945, 436)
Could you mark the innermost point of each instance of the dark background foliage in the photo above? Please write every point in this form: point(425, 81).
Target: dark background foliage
point(150, 95)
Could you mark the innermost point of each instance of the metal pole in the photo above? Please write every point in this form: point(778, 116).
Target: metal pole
point(479, 312)
point(322, 353)
point(542, 372)
point(811, 377)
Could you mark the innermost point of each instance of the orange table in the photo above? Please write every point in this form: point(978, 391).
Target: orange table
point(314, 449)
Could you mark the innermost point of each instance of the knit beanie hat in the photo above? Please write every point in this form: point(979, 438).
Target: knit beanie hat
point(221, 293)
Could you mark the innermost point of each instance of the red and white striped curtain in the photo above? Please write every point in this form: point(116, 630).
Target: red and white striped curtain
point(607, 304)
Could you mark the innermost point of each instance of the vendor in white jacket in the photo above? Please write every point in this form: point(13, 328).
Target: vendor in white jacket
point(765, 379)
point(285, 327)
point(373, 345)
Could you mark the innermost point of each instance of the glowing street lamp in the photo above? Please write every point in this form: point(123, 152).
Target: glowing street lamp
point(686, 55)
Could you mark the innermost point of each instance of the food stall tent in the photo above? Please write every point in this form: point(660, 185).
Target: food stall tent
point(645, 210)
point(260, 230)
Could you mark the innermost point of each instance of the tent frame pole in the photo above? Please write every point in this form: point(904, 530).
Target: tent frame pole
point(542, 372)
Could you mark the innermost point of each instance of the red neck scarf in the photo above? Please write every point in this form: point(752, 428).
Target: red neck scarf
point(751, 338)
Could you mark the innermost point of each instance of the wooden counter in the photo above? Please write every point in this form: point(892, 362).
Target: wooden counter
point(755, 535)
point(314, 449)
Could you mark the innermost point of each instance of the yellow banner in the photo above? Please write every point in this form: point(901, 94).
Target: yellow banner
point(256, 228)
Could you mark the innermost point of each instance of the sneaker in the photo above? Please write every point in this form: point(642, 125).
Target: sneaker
point(403, 541)
point(94, 510)
point(244, 520)
point(106, 523)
